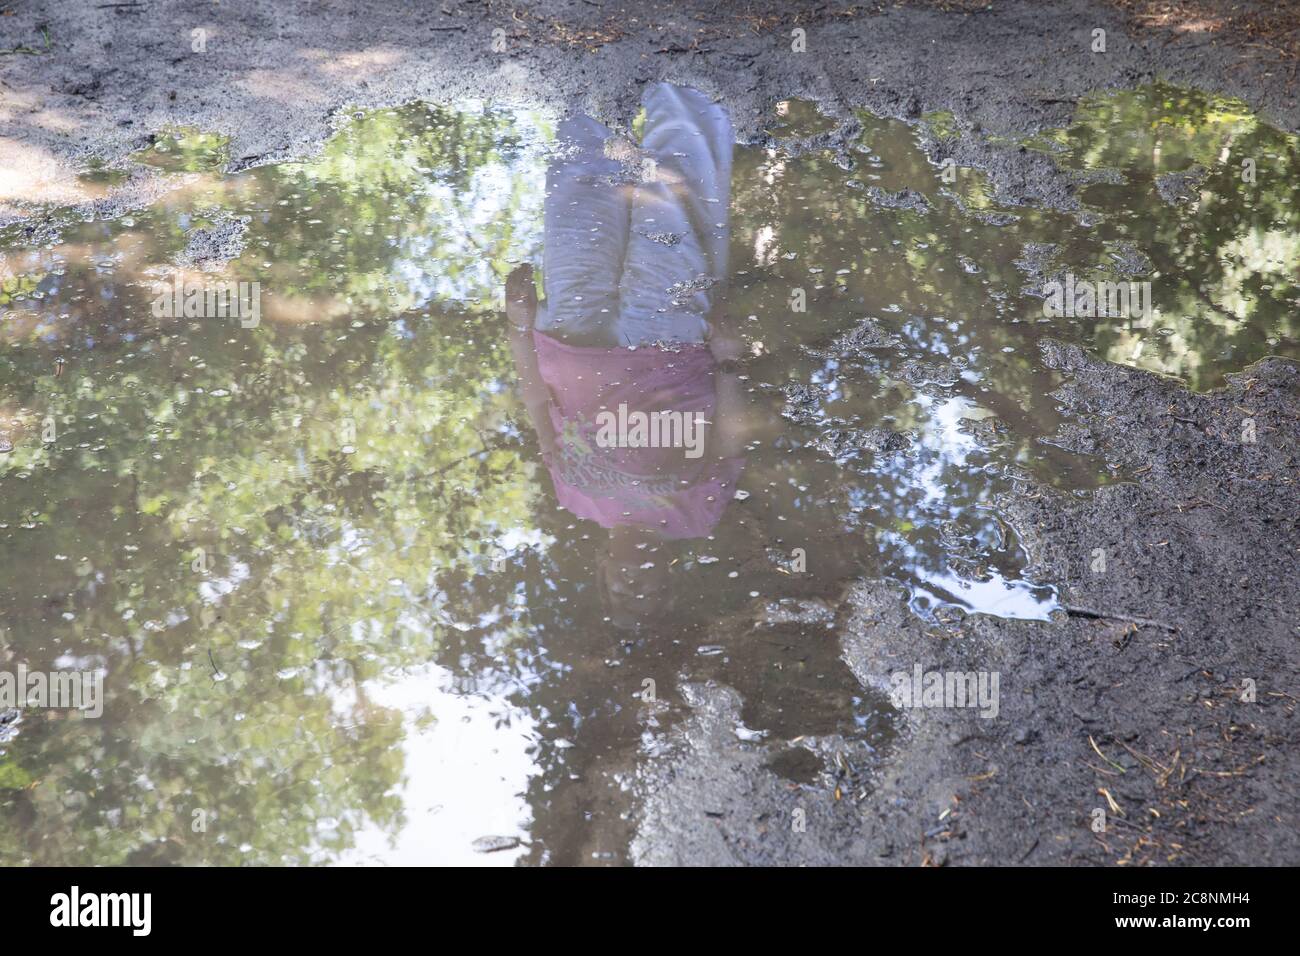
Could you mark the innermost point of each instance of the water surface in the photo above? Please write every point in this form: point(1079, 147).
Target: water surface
point(321, 562)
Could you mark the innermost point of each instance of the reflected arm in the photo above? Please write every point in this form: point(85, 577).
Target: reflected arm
point(521, 310)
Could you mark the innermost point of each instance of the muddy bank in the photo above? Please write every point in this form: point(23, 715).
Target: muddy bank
point(93, 83)
point(1129, 704)
point(1135, 696)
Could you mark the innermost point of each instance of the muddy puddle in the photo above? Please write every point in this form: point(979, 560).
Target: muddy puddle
point(363, 577)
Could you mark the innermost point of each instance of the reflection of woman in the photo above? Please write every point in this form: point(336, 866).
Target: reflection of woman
point(635, 259)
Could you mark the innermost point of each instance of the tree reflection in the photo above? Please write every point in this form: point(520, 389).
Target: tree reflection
point(249, 528)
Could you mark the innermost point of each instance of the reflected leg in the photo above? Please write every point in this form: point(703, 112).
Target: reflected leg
point(585, 234)
point(690, 140)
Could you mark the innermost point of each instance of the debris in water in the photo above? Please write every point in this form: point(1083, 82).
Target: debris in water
point(1182, 187)
point(495, 844)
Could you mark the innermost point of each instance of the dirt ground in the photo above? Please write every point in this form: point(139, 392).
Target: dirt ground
point(97, 80)
point(1132, 702)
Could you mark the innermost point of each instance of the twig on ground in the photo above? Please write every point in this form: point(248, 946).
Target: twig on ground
point(1075, 610)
